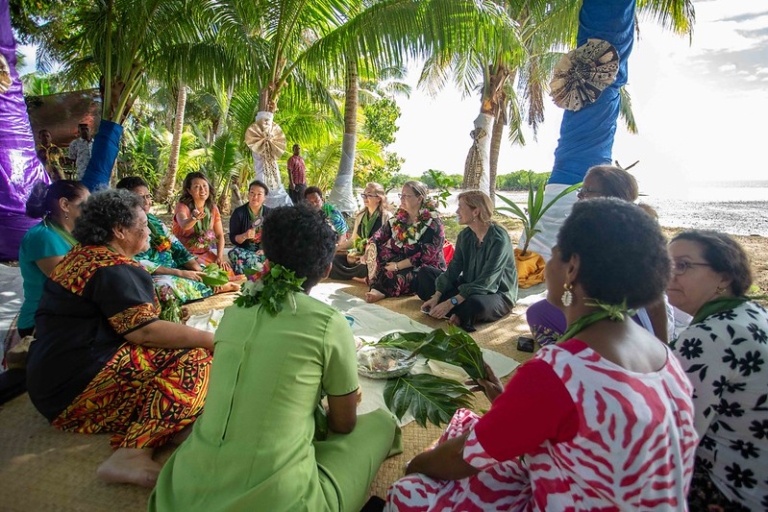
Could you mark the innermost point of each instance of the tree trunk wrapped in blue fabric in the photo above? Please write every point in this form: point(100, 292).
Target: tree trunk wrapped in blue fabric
point(106, 145)
point(586, 136)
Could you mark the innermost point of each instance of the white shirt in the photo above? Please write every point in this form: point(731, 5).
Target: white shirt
point(80, 152)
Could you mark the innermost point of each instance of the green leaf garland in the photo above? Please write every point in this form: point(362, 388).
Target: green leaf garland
point(269, 286)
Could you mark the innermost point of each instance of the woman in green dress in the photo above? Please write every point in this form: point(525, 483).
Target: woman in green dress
point(277, 351)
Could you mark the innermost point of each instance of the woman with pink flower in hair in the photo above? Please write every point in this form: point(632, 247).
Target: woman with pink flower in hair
point(197, 222)
point(411, 239)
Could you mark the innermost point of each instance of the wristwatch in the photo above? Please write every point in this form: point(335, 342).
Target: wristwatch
point(454, 301)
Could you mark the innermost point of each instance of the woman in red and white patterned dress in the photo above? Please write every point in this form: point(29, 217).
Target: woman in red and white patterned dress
point(603, 420)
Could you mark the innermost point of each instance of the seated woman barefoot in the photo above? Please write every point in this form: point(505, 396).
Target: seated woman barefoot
point(103, 361)
point(275, 357)
point(45, 244)
point(349, 265)
point(174, 269)
point(480, 284)
point(723, 351)
point(245, 229)
point(545, 320)
point(616, 431)
point(413, 238)
point(197, 222)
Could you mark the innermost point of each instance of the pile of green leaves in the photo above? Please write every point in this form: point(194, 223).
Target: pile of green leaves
point(453, 347)
point(429, 397)
point(170, 310)
point(213, 275)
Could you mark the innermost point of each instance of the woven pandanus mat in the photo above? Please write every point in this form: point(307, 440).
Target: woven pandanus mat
point(43, 469)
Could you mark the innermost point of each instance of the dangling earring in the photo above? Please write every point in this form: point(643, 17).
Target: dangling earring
point(66, 216)
point(719, 290)
point(567, 298)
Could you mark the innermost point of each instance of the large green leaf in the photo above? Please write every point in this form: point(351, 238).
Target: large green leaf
point(454, 347)
point(428, 397)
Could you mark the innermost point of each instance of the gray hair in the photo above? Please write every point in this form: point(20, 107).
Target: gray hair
point(104, 211)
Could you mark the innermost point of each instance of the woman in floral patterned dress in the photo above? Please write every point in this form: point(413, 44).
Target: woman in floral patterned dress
point(245, 229)
point(724, 352)
point(411, 239)
point(175, 271)
point(197, 222)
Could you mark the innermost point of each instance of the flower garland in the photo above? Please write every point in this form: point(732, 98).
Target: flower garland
point(170, 307)
point(409, 234)
point(614, 312)
point(269, 286)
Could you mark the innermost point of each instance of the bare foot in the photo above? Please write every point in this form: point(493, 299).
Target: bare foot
point(373, 296)
point(226, 288)
point(130, 466)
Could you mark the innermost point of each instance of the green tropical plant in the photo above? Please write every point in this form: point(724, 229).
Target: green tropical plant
point(535, 211)
point(427, 397)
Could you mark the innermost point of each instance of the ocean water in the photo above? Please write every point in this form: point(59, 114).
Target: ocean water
point(736, 207)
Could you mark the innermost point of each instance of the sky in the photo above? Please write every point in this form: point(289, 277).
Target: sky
point(701, 106)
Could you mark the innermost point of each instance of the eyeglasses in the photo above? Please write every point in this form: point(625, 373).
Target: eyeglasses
point(584, 192)
point(403, 196)
point(681, 267)
point(368, 196)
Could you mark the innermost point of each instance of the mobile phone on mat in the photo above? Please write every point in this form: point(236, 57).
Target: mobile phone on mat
point(525, 344)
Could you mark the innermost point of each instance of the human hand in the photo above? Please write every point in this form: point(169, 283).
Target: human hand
point(224, 264)
point(250, 234)
point(492, 387)
point(198, 214)
point(191, 274)
point(429, 304)
point(391, 267)
point(440, 310)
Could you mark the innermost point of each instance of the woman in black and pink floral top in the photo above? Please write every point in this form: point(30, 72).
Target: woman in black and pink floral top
point(411, 239)
point(725, 354)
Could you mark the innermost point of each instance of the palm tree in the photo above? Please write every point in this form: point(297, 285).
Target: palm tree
point(298, 47)
point(512, 90)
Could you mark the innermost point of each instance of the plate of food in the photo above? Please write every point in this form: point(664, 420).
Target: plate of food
point(383, 362)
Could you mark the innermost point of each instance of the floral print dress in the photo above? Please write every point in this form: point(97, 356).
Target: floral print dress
point(421, 243)
point(726, 358)
point(165, 250)
point(200, 239)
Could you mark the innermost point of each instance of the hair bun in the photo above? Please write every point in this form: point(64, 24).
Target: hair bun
point(35, 206)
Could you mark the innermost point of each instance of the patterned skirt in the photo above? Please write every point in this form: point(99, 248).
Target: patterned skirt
point(186, 290)
point(142, 395)
point(242, 259)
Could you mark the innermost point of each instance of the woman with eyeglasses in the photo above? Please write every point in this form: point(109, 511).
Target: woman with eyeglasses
point(724, 351)
point(174, 269)
point(546, 322)
point(347, 263)
point(411, 239)
point(602, 421)
point(245, 229)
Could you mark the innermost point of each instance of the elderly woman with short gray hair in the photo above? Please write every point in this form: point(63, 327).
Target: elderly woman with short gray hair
point(103, 361)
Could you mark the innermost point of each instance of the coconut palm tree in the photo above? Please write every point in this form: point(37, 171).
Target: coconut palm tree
point(512, 91)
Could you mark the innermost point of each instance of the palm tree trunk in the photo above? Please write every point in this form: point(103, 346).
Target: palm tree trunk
point(169, 181)
point(342, 196)
point(477, 169)
point(498, 132)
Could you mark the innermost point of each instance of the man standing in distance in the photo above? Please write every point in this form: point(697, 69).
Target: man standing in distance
point(80, 149)
point(297, 175)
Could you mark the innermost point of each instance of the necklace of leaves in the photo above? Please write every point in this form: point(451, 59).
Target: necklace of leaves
point(409, 234)
point(270, 287)
point(614, 312)
point(204, 225)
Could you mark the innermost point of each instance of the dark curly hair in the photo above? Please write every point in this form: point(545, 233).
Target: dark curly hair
point(131, 183)
point(724, 254)
point(622, 251)
point(44, 198)
point(313, 190)
point(300, 239)
point(186, 197)
point(104, 211)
